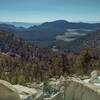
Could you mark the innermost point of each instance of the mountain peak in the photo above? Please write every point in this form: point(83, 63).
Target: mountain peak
point(56, 22)
point(61, 21)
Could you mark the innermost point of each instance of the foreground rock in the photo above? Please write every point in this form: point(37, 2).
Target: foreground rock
point(7, 91)
point(76, 89)
point(26, 93)
point(94, 75)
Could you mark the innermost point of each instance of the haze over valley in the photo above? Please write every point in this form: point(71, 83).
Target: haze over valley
point(59, 33)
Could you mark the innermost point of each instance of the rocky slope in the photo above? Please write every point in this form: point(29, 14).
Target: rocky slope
point(76, 89)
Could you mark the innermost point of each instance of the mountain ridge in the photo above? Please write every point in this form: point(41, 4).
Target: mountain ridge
point(45, 34)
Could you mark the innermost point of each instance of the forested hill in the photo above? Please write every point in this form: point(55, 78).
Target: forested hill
point(26, 62)
point(10, 43)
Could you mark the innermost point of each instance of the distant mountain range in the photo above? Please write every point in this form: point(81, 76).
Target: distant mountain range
point(62, 24)
point(20, 24)
point(62, 34)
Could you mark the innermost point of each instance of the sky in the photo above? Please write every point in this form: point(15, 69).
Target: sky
point(50, 10)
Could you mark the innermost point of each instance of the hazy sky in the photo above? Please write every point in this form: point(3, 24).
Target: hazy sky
point(49, 10)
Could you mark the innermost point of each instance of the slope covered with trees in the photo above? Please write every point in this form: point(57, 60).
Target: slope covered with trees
point(28, 62)
point(22, 62)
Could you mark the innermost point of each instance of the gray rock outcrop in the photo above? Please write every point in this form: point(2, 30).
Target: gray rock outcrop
point(94, 75)
point(7, 92)
point(78, 90)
